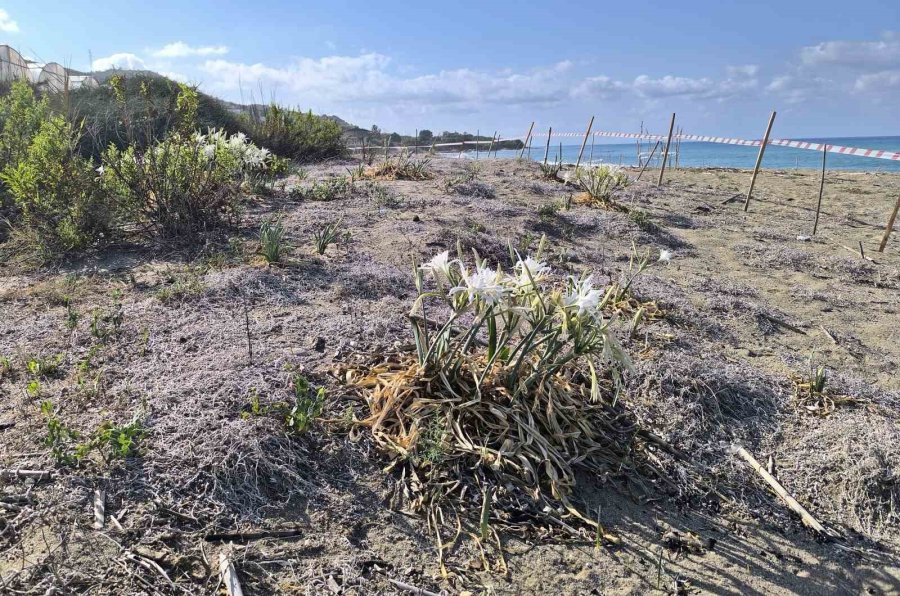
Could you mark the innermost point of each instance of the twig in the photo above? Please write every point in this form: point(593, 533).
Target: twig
point(778, 321)
point(38, 475)
point(412, 589)
point(229, 576)
point(256, 535)
point(790, 501)
point(828, 333)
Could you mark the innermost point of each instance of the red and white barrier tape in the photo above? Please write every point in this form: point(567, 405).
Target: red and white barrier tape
point(874, 153)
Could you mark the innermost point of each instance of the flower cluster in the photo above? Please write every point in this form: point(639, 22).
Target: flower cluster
point(533, 323)
point(237, 149)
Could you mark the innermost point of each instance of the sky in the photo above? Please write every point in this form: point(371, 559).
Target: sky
point(829, 68)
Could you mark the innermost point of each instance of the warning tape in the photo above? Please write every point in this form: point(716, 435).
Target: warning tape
point(873, 153)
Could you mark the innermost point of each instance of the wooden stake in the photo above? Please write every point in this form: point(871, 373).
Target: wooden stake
point(477, 142)
point(416, 143)
point(890, 226)
point(229, 576)
point(662, 170)
point(821, 188)
point(527, 138)
point(862, 253)
point(385, 150)
point(491, 146)
point(584, 142)
point(790, 501)
point(591, 158)
point(547, 148)
point(759, 158)
point(647, 163)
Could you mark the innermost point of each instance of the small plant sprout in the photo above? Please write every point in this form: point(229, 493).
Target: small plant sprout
point(271, 241)
point(308, 405)
point(325, 236)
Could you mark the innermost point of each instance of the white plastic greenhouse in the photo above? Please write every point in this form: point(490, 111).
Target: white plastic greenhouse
point(52, 77)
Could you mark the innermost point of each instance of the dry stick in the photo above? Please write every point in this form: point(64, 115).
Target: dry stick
point(477, 142)
point(527, 137)
point(759, 158)
point(890, 226)
point(229, 576)
point(647, 163)
point(99, 509)
point(491, 146)
point(461, 149)
point(547, 148)
point(584, 142)
point(411, 589)
point(385, 150)
point(862, 253)
point(247, 329)
point(821, 189)
point(23, 474)
point(791, 502)
point(662, 170)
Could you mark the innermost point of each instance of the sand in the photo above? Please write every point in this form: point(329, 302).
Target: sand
point(750, 298)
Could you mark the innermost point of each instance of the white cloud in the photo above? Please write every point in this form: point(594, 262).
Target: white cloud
point(740, 80)
point(121, 60)
point(368, 77)
point(879, 82)
point(601, 87)
point(179, 49)
point(859, 54)
point(7, 24)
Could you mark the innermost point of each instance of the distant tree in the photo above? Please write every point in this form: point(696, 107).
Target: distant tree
point(375, 129)
point(395, 138)
point(426, 136)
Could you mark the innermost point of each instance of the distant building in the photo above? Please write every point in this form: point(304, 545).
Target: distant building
point(51, 77)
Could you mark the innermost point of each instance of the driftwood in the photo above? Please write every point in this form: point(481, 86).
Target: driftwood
point(790, 501)
point(411, 589)
point(37, 475)
point(99, 509)
point(229, 576)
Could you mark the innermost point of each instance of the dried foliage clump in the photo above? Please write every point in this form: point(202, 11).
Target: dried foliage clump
point(513, 390)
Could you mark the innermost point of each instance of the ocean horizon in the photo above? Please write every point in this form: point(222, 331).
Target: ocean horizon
point(697, 154)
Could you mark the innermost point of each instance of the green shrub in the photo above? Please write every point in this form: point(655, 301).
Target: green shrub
point(271, 241)
point(301, 136)
point(62, 207)
point(21, 116)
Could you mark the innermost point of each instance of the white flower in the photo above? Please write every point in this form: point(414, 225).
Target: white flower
point(530, 269)
point(100, 170)
point(582, 295)
point(209, 151)
point(439, 267)
point(484, 284)
point(665, 255)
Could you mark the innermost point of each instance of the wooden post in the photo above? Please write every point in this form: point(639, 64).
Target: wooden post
point(477, 142)
point(759, 158)
point(364, 150)
point(890, 226)
point(491, 146)
point(461, 149)
point(591, 158)
point(547, 148)
point(821, 189)
point(647, 163)
point(527, 137)
point(385, 150)
point(662, 170)
point(584, 142)
point(416, 143)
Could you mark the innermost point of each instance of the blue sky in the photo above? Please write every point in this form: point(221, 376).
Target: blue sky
point(829, 68)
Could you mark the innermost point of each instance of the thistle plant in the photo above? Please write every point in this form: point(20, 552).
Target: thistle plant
point(271, 241)
point(550, 171)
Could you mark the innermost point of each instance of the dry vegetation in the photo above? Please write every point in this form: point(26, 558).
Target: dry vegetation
point(264, 396)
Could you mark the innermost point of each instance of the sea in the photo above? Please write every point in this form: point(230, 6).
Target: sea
point(701, 154)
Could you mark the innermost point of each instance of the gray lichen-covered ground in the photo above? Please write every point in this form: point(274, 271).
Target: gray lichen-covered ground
point(749, 305)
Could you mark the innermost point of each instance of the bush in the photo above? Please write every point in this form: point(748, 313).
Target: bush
point(300, 136)
point(62, 207)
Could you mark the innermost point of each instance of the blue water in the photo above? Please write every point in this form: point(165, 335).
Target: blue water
point(697, 154)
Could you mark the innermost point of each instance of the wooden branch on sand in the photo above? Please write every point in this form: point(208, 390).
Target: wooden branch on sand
point(808, 520)
point(229, 576)
point(38, 475)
